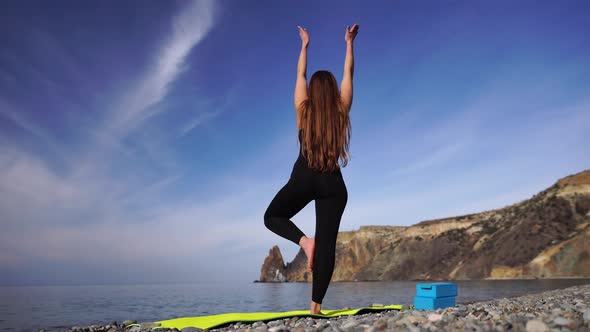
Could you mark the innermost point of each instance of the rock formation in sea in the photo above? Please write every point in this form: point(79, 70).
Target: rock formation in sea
point(546, 236)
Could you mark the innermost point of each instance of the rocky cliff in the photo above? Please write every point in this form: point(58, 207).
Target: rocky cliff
point(546, 236)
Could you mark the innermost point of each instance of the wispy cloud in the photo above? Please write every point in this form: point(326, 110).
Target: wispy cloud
point(94, 214)
point(62, 209)
point(432, 159)
point(8, 112)
point(189, 28)
point(198, 120)
point(211, 110)
point(76, 222)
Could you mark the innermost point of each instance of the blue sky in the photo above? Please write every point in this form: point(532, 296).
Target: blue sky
point(141, 141)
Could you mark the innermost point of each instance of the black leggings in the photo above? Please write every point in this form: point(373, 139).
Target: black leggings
point(330, 195)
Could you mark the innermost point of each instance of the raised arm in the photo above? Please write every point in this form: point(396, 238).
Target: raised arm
point(301, 83)
point(346, 84)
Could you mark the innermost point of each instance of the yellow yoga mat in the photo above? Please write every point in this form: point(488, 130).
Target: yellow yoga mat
point(211, 321)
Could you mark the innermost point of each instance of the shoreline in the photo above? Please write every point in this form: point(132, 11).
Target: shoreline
point(432, 280)
point(566, 309)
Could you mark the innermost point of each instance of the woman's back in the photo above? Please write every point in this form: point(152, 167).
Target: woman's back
point(304, 161)
point(324, 118)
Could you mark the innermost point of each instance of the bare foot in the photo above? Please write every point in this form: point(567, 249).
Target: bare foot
point(315, 308)
point(308, 246)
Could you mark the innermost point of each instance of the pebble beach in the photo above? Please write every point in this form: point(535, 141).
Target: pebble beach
point(565, 309)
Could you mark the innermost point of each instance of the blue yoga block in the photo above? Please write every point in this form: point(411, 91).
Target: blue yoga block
point(436, 289)
point(431, 303)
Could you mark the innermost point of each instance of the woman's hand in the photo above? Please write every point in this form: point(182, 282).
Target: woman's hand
point(304, 35)
point(351, 33)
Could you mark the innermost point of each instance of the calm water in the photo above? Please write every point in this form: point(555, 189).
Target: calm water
point(59, 307)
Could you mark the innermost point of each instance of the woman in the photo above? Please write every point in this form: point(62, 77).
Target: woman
point(324, 133)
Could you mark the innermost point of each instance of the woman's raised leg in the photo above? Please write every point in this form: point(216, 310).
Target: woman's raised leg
point(290, 199)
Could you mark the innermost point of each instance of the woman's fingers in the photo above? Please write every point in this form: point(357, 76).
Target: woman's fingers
point(351, 32)
point(303, 34)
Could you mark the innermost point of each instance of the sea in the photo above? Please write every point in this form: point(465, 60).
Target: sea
point(56, 308)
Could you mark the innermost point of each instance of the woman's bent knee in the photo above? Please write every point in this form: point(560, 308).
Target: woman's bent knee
point(268, 219)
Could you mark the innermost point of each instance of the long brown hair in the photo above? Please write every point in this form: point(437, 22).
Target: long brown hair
point(325, 123)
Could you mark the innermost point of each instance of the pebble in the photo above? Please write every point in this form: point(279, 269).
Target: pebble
point(188, 329)
point(434, 317)
point(561, 321)
point(536, 326)
point(416, 320)
point(556, 310)
point(349, 324)
point(380, 324)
